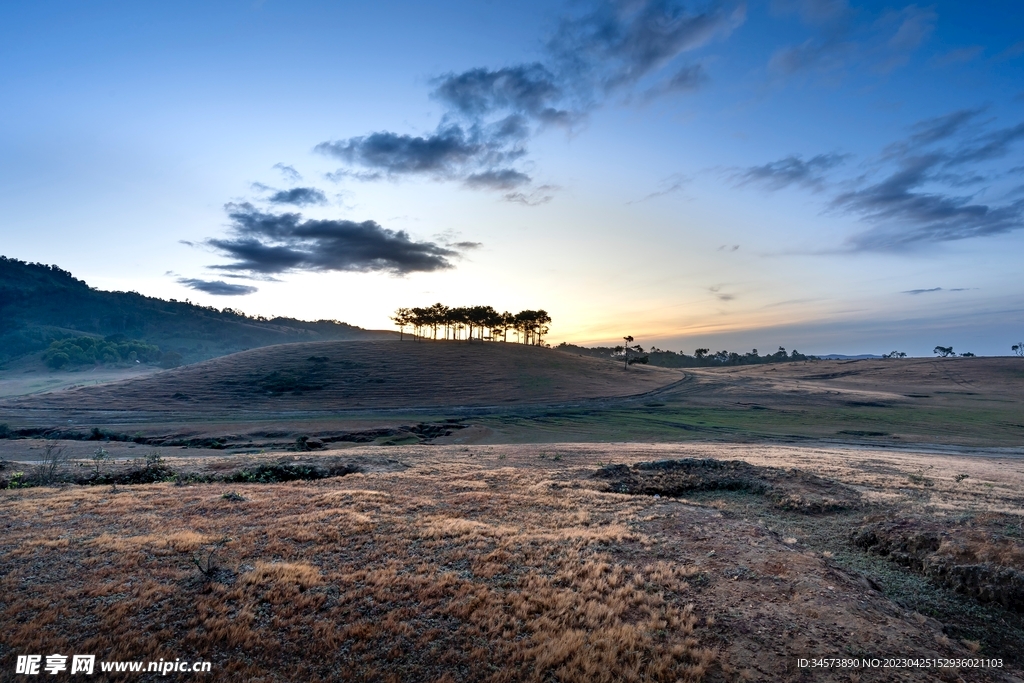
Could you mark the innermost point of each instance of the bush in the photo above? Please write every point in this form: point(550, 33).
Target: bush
point(171, 359)
point(91, 351)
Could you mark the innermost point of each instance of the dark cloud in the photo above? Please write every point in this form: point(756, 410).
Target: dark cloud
point(906, 215)
point(465, 245)
point(216, 287)
point(917, 202)
point(299, 196)
point(992, 145)
point(499, 179)
point(526, 89)
point(922, 291)
point(492, 113)
point(268, 243)
point(940, 128)
point(288, 172)
point(446, 153)
point(791, 170)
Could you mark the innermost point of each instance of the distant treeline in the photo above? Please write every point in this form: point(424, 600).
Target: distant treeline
point(79, 351)
point(701, 357)
point(40, 304)
point(472, 322)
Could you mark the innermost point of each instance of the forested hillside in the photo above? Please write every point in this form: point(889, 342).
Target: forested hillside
point(40, 304)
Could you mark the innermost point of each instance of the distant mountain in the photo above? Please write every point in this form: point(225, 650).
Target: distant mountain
point(41, 303)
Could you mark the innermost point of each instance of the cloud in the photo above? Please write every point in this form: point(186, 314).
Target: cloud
point(934, 289)
point(959, 56)
point(686, 79)
point(1012, 52)
point(216, 287)
point(491, 113)
point(777, 175)
point(814, 11)
point(720, 295)
point(621, 42)
point(912, 193)
point(268, 243)
point(499, 179)
point(446, 153)
point(824, 54)
point(940, 128)
point(906, 215)
point(529, 89)
point(842, 36)
point(299, 196)
point(535, 197)
point(913, 25)
point(362, 176)
point(288, 172)
point(673, 183)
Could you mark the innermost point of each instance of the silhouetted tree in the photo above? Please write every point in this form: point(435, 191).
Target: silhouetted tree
point(894, 354)
point(1018, 348)
point(402, 317)
point(943, 351)
point(625, 351)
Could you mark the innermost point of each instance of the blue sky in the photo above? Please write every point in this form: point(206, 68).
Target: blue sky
point(820, 174)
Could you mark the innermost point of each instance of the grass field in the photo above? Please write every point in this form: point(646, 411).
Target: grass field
point(829, 509)
point(507, 563)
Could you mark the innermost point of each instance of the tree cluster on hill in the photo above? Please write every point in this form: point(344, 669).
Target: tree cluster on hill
point(700, 358)
point(78, 351)
point(472, 322)
point(40, 304)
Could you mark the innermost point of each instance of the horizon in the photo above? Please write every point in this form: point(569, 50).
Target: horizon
point(834, 177)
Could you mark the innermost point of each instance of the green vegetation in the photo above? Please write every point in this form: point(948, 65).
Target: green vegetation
point(461, 322)
point(966, 425)
point(701, 358)
point(40, 304)
point(79, 351)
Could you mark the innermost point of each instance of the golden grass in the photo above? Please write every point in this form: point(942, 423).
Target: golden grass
point(466, 567)
point(316, 581)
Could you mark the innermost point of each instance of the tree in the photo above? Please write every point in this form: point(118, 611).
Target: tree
point(402, 317)
point(1018, 348)
point(894, 354)
point(943, 351)
point(625, 351)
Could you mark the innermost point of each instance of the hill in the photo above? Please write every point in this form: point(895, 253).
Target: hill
point(40, 304)
point(327, 376)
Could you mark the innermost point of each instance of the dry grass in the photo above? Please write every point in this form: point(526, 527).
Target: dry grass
point(469, 566)
point(372, 374)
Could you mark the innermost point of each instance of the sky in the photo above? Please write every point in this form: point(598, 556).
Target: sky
point(823, 175)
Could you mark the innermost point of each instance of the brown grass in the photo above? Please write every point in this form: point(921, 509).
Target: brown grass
point(372, 374)
point(468, 566)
